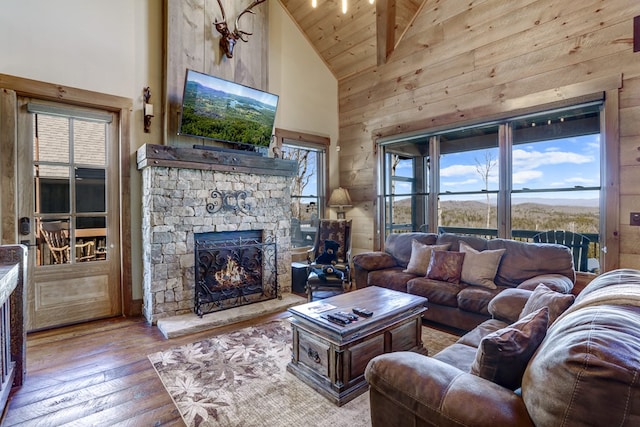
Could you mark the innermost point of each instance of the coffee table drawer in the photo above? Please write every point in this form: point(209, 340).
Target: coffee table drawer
point(313, 353)
point(363, 352)
point(406, 335)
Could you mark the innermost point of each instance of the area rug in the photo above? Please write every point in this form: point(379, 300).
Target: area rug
point(240, 380)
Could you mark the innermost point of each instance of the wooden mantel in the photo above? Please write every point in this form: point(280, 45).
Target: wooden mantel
point(224, 161)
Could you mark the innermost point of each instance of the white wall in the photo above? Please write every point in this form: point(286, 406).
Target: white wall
point(308, 90)
point(115, 47)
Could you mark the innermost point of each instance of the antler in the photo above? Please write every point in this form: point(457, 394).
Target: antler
point(239, 33)
point(229, 38)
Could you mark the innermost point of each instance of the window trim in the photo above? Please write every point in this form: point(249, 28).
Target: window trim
point(310, 141)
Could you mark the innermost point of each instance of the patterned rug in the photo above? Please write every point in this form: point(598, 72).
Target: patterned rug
point(240, 380)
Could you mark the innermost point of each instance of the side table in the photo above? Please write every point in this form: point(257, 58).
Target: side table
point(299, 275)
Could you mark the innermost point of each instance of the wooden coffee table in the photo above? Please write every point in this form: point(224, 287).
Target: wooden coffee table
point(332, 358)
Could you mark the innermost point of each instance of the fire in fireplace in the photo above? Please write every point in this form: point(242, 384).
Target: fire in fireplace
point(233, 268)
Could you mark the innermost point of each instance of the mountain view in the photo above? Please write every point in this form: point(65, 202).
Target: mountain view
point(581, 217)
point(225, 116)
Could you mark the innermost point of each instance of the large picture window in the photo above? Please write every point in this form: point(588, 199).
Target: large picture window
point(521, 178)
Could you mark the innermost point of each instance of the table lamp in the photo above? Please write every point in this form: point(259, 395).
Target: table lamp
point(340, 199)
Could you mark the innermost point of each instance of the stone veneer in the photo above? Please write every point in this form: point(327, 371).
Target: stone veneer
point(174, 208)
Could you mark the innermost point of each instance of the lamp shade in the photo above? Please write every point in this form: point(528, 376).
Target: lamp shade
point(340, 198)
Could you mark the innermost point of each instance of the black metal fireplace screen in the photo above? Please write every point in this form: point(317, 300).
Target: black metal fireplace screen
point(234, 268)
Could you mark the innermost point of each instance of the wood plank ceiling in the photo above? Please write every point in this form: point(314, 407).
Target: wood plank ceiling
point(358, 40)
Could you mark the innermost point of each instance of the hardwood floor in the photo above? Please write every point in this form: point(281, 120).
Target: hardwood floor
point(98, 374)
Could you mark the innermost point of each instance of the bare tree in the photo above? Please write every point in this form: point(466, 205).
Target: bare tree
point(395, 160)
point(300, 181)
point(484, 170)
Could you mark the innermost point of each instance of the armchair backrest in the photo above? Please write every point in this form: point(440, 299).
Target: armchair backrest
point(338, 230)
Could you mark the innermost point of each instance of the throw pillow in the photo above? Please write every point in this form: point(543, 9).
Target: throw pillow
point(480, 268)
point(445, 266)
point(503, 355)
point(420, 257)
point(542, 296)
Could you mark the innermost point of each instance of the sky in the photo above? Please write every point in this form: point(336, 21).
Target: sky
point(561, 163)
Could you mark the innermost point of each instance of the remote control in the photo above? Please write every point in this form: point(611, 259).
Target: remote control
point(349, 316)
point(336, 318)
point(363, 312)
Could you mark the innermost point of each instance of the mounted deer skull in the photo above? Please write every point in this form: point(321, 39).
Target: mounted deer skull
point(229, 38)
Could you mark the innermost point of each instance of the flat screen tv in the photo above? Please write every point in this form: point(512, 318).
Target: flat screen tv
point(225, 111)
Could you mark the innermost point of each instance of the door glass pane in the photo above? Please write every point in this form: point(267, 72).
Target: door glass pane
point(51, 142)
point(52, 189)
point(90, 190)
point(91, 238)
point(89, 141)
point(53, 241)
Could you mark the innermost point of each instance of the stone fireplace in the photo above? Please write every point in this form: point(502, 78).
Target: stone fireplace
point(190, 193)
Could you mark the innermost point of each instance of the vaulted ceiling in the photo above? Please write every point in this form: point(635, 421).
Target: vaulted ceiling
point(352, 42)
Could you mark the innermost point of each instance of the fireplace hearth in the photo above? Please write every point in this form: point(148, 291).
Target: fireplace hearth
point(233, 268)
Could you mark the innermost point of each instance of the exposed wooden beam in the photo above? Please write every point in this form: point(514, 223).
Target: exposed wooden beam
point(385, 28)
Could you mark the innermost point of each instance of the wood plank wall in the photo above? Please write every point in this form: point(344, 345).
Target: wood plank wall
point(192, 42)
point(8, 165)
point(463, 62)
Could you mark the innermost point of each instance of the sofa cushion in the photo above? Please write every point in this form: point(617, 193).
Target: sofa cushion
point(587, 369)
point(374, 260)
point(391, 278)
point(445, 266)
point(436, 291)
point(476, 299)
point(503, 355)
point(459, 355)
point(420, 257)
point(522, 261)
point(508, 304)
point(479, 268)
point(477, 243)
point(542, 296)
point(555, 282)
point(473, 337)
point(398, 245)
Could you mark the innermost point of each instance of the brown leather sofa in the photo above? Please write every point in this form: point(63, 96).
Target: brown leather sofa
point(585, 372)
point(462, 306)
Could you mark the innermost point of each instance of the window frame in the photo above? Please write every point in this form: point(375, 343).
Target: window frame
point(609, 179)
point(319, 144)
